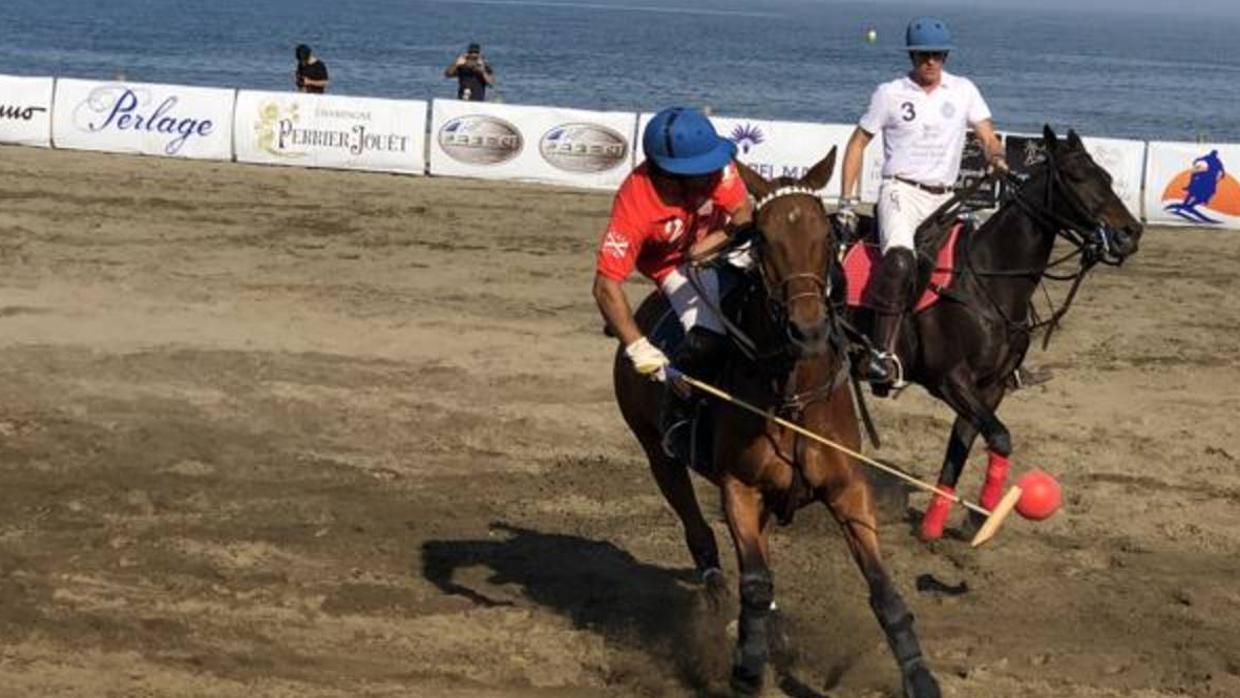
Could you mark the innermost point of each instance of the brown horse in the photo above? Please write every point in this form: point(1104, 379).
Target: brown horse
point(796, 368)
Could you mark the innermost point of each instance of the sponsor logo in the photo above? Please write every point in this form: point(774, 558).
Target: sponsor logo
point(124, 109)
point(615, 244)
point(16, 113)
point(948, 110)
point(278, 131)
point(583, 148)
point(673, 228)
point(746, 137)
point(1203, 190)
point(479, 139)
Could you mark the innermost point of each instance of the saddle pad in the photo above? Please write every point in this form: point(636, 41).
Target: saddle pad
point(863, 258)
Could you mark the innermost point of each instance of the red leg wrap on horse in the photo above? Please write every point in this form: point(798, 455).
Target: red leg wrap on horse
point(996, 479)
point(936, 515)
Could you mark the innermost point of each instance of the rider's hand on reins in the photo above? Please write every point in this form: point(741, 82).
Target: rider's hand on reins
point(647, 359)
point(998, 167)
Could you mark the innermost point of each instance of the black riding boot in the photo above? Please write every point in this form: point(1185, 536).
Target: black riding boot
point(889, 296)
point(698, 357)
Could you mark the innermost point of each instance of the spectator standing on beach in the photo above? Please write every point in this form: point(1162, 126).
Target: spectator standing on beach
point(311, 72)
point(473, 74)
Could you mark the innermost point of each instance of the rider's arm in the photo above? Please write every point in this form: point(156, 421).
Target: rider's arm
point(985, 130)
point(853, 155)
point(713, 241)
point(614, 305)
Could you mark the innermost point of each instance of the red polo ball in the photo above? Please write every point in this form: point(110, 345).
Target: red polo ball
point(1039, 496)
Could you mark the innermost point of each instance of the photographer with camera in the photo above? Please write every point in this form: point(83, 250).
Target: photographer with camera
point(311, 74)
point(473, 74)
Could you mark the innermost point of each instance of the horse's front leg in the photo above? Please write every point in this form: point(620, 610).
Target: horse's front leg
point(975, 409)
point(743, 507)
point(851, 505)
point(672, 477)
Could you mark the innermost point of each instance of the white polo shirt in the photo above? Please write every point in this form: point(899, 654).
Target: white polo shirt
point(923, 134)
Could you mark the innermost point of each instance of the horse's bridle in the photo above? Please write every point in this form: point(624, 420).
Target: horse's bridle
point(777, 294)
point(1083, 228)
point(1092, 247)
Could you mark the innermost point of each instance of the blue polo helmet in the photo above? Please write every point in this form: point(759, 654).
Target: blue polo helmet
point(928, 34)
point(682, 141)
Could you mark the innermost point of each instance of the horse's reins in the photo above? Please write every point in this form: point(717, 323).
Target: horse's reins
point(1090, 251)
point(794, 401)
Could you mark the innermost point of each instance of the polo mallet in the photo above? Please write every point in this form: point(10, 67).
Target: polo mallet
point(994, 518)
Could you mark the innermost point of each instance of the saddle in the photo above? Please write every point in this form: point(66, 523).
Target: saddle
point(937, 243)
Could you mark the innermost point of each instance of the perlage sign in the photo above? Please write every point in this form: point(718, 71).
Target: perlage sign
point(778, 148)
point(121, 117)
point(26, 110)
point(1193, 184)
point(572, 147)
point(1124, 160)
point(312, 130)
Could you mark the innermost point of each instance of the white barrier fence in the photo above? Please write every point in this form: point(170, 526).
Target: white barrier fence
point(310, 130)
point(1162, 182)
point(1188, 184)
point(535, 144)
point(168, 120)
point(26, 111)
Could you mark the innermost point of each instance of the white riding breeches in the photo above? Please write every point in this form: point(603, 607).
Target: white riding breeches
point(686, 302)
point(902, 208)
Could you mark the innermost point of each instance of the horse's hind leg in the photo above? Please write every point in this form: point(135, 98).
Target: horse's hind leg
point(673, 480)
point(852, 508)
point(747, 522)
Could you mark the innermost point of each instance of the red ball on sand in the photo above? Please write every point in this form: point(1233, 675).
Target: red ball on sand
point(1040, 495)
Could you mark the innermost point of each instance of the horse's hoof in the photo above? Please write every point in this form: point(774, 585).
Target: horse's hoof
point(971, 525)
point(920, 683)
point(746, 682)
point(715, 584)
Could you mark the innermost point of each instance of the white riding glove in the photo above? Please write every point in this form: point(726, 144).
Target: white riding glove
point(647, 359)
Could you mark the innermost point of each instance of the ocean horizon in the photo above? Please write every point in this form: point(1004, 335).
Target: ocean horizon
point(1109, 74)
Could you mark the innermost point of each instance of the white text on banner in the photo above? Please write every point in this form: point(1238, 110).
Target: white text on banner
point(169, 120)
point(538, 144)
point(310, 130)
point(1191, 184)
point(26, 110)
point(778, 148)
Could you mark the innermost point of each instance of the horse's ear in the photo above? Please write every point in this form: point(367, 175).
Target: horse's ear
point(1074, 141)
point(820, 174)
point(757, 185)
point(1049, 139)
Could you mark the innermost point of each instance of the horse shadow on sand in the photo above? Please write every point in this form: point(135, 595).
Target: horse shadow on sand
point(659, 611)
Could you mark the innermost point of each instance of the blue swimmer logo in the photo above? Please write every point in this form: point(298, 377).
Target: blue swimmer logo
point(1206, 185)
point(746, 137)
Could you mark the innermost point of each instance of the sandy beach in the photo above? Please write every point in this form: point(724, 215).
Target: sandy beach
point(280, 432)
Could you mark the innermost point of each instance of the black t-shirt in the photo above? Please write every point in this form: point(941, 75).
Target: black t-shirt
point(314, 71)
point(471, 84)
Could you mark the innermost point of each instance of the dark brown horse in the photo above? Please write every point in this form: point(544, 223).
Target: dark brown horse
point(762, 469)
point(965, 348)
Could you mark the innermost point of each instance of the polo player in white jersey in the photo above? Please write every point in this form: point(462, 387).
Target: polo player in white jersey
point(923, 117)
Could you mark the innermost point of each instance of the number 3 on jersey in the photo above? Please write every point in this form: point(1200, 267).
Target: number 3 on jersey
point(909, 112)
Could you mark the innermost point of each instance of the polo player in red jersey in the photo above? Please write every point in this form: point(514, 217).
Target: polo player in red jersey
point(679, 206)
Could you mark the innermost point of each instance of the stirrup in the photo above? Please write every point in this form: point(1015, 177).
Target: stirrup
point(895, 382)
point(668, 442)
